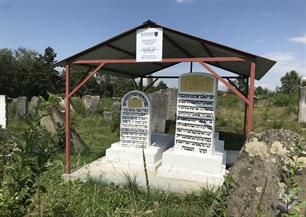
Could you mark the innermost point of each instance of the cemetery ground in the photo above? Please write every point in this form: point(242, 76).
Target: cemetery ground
point(93, 198)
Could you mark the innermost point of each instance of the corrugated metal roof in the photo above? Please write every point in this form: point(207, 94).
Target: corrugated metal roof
point(175, 45)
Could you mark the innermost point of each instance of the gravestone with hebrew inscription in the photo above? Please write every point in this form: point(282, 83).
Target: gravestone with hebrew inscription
point(135, 136)
point(198, 154)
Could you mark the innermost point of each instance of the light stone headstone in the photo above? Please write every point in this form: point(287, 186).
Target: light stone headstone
point(116, 105)
point(21, 106)
point(34, 105)
point(135, 120)
point(91, 102)
point(159, 103)
point(302, 105)
point(198, 154)
point(195, 121)
point(171, 94)
point(3, 112)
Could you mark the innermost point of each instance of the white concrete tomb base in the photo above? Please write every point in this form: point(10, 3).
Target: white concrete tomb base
point(209, 169)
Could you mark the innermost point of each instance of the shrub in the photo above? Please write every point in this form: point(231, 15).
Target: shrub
point(79, 106)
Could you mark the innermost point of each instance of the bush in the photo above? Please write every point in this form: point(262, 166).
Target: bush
point(115, 125)
point(79, 106)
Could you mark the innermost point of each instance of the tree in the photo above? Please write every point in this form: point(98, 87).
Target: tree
point(290, 82)
point(261, 91)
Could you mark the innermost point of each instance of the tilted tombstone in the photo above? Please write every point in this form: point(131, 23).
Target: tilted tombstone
point(159, 112)
point(3, 111)
point(198, 154)
point(135, 136)
point(34, 105)
point(21, 106)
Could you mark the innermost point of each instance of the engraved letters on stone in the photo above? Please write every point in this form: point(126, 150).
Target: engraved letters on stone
point(195, 120)
point(135, 120)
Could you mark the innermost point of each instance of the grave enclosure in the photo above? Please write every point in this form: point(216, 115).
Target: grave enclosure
point(195, 157)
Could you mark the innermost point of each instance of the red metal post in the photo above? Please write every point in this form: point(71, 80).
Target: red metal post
point(67, 120)
point(90, 74)
point(231, 87)
point(251, 99)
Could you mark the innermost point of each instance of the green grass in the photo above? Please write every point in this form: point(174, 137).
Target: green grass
point(95, 198)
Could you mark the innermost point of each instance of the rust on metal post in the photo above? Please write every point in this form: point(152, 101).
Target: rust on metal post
point(67, 119)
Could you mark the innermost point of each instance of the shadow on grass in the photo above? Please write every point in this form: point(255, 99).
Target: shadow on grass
point(232, 141)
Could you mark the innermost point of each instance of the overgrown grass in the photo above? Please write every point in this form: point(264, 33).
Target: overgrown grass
point(95, 198)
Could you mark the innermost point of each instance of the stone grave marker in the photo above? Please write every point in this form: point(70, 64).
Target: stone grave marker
point(107, 115)
point(3, 112)
point(159, 103)
point(21, 106)
point(198, 154)
point(135, 134)
point(171, 94)
point(302, 105)
point(91, 102)
point(34, 105)
point(116, 105)
point(135, 120)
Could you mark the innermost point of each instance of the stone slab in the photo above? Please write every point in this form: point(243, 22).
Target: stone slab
point(159, 112)
point(21, 106)
point(3, 112)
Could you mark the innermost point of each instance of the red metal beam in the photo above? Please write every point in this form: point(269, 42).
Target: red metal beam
point(67, 120)
point(251, 99)
point(226, 83)
point(86, 79)
point(166, 60)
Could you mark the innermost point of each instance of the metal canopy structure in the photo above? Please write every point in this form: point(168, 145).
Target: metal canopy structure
point(117, 56)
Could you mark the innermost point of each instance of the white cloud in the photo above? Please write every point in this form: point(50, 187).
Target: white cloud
point(286, 62)
point(184, 1)
point(299, 39)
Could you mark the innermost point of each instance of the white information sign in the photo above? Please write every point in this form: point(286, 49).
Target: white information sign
point(149, 45)
point(135, 120)
point(195, 120)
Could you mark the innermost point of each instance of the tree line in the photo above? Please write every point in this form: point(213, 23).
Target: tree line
point(25, 72)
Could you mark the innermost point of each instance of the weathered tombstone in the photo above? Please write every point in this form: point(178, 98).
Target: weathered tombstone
point(34, 105)
point(91, 102)
point(107, 115)
point(53, 119)
point(302, 105)
point(198, 154)
point(21, 106)
point(171, 94)
point(159, 112)
point(116, 105)
point(135, 135)
point(3, 112)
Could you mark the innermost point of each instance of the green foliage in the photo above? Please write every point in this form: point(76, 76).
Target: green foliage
point(28, 73)
point(259, 90)
point(115, 125)
point(52, 100)
point(26, 162)
point(290, 82)
point(79, 106)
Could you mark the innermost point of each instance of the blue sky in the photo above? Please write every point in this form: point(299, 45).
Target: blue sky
point(270, 28)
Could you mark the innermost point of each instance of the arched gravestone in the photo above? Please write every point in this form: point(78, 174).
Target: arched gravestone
point(135, 120)
point(195, 121)
point(135, 133)
point(198, 154)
